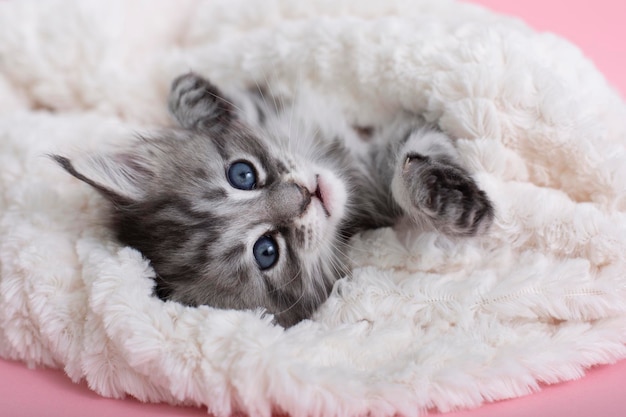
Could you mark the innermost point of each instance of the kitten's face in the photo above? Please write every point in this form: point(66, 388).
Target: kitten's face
point(228, 218)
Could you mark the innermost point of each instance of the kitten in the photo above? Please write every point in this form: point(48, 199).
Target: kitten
point(252, 205)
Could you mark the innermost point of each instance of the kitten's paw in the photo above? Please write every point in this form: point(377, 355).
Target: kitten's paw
point(194, 101)
point(447, 195)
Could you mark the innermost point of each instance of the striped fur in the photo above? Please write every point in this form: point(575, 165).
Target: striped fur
point(318, 183)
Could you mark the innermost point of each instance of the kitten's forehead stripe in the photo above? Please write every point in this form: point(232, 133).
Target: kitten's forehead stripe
point(234, 254)
point(214, 194)
point(184, 211)
point(200, 173)
point(281, 167)
point(220, 143)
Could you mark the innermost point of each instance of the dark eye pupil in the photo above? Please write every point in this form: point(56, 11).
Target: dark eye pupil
point(265, 252)
point(241, 175)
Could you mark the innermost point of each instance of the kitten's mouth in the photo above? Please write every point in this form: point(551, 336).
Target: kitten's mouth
point(321, 193)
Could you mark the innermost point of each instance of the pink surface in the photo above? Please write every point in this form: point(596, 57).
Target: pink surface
point(35, 393)
point(598, 28)
point(44, 392)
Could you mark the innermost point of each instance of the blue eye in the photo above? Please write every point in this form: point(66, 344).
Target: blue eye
point(242, 176)
point(265, 252)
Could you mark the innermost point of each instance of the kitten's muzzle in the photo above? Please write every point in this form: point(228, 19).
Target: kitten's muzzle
point(288, 201)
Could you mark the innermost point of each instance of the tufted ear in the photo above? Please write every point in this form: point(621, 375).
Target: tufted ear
point(198, 104)
point(121, 178)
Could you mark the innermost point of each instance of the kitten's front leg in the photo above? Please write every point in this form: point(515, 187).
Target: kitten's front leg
point(434, 189)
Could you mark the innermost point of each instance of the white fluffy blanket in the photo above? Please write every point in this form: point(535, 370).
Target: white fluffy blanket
point(425, 322)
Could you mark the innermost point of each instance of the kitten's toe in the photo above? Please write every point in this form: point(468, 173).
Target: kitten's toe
point(187, 91)
point(448, 196)
point(184, 81)
point(475, 217)
point(194, 101)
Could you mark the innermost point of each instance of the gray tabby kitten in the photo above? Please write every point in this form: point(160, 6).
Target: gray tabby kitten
point(252, 206)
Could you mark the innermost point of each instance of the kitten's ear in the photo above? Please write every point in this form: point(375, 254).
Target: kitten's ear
point(197, 104)
point(121, 178)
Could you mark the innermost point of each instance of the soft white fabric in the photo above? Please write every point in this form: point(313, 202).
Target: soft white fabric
point(425, 322)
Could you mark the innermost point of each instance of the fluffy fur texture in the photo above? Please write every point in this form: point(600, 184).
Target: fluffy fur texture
point(426, 322)
point(276, 234)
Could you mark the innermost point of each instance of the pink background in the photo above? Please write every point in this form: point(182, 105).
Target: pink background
point(598, 28)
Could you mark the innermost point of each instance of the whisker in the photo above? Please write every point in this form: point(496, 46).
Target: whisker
point(286, 284)
point(295, 303)
point(239, 109)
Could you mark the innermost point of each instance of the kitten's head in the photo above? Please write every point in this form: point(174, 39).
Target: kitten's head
point(227, 217)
